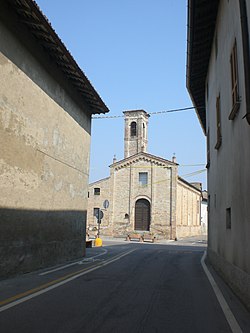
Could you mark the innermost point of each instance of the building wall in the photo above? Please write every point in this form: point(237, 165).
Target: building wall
point(122, 189)
point(44, 163)
point(188, 210)
point(204, 217)
point(228, 173)
point(96, 201)
point(127, 191)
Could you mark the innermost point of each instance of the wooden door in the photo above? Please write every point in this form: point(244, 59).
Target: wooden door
point(142, 215)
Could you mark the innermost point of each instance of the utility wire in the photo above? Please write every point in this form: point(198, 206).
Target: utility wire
point(152, 113)
point(194, 173)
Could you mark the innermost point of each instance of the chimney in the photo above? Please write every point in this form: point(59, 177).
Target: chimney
point(174, 158)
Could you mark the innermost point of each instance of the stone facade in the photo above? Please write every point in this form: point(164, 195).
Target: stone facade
point(144, 179)
point(135, 132)
point(45, 127)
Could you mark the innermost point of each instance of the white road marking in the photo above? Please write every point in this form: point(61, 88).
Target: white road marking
point(225, 307)
point(56, 285)
point(74, 263)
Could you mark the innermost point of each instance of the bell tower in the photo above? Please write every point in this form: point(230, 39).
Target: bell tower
point(136, 132)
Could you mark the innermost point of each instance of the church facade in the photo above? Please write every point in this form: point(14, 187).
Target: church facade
point(144, 192)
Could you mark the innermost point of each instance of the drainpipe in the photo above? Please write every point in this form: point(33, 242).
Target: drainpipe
point(171, 203)
point(129, 195)
point(246, 55)
point(171, 200)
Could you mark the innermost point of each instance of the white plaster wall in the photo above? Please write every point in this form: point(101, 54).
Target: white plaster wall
point(228, 174)
point(204, 217)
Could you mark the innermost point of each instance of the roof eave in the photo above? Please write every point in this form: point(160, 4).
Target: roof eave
point(39, 26)
point(201, 25)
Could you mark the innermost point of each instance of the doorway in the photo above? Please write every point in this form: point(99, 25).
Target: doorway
point(142, 215)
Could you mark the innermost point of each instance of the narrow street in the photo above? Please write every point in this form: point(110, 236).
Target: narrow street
point(120, 287)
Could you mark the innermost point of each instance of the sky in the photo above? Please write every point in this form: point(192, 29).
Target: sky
point(134, 54)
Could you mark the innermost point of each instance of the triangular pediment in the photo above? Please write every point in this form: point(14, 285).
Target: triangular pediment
point(140, 157)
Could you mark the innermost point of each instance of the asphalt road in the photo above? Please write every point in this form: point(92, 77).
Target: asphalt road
point(121, 287)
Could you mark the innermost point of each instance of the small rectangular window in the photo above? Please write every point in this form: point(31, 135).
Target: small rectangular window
point(218, 123)
point(228, 218)
point(143, 178)
point(97, 191)
point(234, 82)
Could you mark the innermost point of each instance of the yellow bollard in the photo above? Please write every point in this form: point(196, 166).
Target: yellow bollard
point(98, 241)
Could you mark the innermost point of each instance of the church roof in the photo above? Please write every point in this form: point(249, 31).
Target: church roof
point(189, 184)
point(99, 181)
point(142, 157)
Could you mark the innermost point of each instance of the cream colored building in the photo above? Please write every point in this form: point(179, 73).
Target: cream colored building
point(144, 192)
point(46, 103)
point(218, 80)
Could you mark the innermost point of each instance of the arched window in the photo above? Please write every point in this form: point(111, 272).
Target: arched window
point(133, 128)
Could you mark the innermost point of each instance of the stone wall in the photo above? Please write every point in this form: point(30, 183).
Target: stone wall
point(96, 201)
point(174, 204)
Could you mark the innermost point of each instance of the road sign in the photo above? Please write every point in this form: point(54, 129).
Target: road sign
point(106, 204)
point(98, 214)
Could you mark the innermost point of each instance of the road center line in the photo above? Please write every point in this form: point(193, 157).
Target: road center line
point(72, 264)
point(225, 307)
point(23, 297)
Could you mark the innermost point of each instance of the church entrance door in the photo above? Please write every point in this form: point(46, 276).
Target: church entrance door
point(142, 215)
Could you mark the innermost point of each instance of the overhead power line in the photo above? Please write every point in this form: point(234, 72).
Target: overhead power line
point(152, 113)
point(194, 173)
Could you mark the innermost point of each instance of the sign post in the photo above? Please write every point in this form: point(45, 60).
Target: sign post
point(99, 215)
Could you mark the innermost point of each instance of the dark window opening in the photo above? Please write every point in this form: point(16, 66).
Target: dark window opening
point(228, 218)
point(234, 82)
point(133, 129)
point(218, 120)
point(97, 191)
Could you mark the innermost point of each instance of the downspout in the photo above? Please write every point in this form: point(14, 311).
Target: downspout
point(171, 203)
point(129, 199)
point(246, 55)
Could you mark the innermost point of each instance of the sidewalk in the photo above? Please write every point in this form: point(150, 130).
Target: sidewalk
point(200, 240)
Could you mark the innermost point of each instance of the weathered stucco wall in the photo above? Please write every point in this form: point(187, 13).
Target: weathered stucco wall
point(44, 163)
point(228, 173)
point(188, 210)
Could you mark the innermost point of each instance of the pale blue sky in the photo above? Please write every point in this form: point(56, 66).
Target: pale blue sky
point(134, 54)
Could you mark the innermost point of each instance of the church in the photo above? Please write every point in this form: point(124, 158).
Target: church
point(144, 193)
